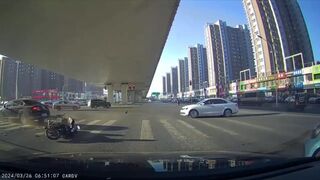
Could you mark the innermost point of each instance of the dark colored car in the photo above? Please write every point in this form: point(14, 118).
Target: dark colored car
point(25, 110)
point(297, 101)
point(95, 103)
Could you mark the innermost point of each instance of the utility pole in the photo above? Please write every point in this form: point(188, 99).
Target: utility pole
point(1, 77)
point(17, 78)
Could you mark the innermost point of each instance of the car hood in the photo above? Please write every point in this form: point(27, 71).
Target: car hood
point(144, 165)
point(190, 106)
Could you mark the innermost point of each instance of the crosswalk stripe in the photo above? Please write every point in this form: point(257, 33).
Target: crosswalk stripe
point(146, 131)
point(172, 130)
point(248, 124)
point(14, 128)
point(109, 123)
point(218, 128)
point(192, 128)
point(93, 122)
point(39, 134)
point(4, 122)
point(80, 121)
point(7, 125)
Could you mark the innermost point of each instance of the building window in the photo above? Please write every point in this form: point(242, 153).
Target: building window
point(308, 77)
point(316, 76)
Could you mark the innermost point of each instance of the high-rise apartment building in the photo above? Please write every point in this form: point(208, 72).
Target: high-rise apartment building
point(278, 32)
point(51, 80)
point(203, 67)
point(168, 78)
point(182, 76)
point(8, 78)
point(174, 81)
point(228, 52)
point(164, 87)
point(193, 69)
point(186, 74)
point(73, 85)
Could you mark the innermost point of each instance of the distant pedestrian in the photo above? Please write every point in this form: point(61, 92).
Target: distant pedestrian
point(178, 102)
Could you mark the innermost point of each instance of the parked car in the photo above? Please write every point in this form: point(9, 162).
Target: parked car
point(95, 103)
point(82, 102)
point(314, 100)
point(296, 102)
point(25, 110)
point(210, 107)
point(270, 99)
point(59, 105)
point(289, 99)
point(47, 103)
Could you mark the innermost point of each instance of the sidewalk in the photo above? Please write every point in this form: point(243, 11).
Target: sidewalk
point(310, 108)
point(125, 105)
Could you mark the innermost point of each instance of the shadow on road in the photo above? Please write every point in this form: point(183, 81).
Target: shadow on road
point(105, 128)
point(241, 115)
point(87, 135)
point(260, 114)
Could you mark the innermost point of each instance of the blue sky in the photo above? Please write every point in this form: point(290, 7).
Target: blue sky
point(192, 16)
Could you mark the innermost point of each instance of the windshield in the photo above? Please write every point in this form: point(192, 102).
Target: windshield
point(126, 72)
point(30, 102)
point(202, 101)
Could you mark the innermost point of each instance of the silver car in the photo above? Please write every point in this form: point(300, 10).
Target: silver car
point(59, 105)
point(210, 107)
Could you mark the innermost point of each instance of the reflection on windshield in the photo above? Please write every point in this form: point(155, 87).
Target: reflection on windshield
point(199, 164)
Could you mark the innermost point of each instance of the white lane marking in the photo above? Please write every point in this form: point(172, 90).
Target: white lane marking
point(173, 131)
point(109, 123)
point(193, 128)
point(39, 134)
point(4, 122)
point(249, 125)
point(93, 122)
point(18, 127)
point(80, 121)
point(7, 125)
point(13, 128)
point(218, 128)
point(146, 131)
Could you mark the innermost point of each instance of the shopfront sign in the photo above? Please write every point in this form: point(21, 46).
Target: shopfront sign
point(282, 75)
point(316, 69)
point(297, 72)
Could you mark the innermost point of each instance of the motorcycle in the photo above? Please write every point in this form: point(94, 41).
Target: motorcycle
point(57, 127)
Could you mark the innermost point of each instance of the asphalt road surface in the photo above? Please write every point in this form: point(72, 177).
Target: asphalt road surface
point(158, 127)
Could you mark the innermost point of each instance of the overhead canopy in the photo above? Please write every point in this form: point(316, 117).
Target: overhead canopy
point(98, 41)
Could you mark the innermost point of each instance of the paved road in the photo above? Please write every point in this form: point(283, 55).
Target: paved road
point(157, 127)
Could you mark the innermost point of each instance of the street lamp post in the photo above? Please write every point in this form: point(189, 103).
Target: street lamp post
point(17, 78)
point(275, 63)
point(1, 77)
